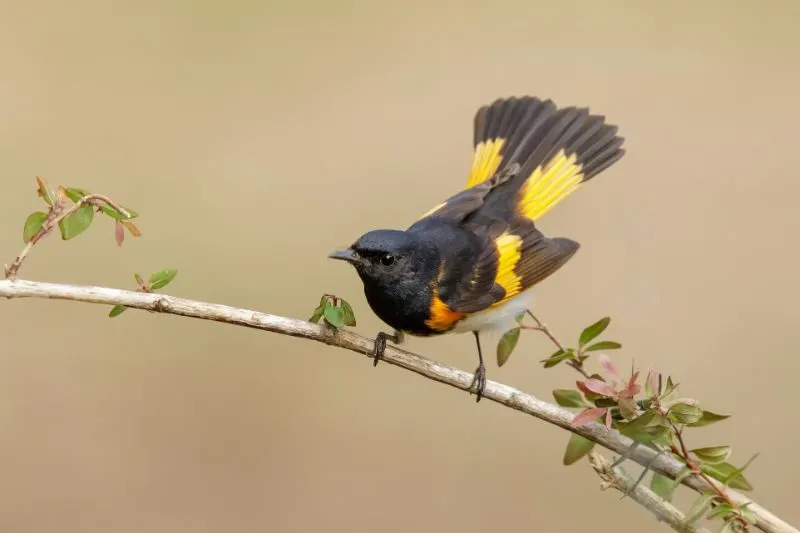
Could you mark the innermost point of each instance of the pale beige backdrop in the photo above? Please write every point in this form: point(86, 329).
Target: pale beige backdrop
point(256, 137)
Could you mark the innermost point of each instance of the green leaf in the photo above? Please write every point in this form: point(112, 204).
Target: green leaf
point(707, 419)
point(663, 486)
point(683, 473)
point(76, 223)
point(699, 508)
point(113, 213)
point(317, 314)
point(727, 473)
point(721, 510)
point(746, 513)
point(116, 310)
point(348, 317)
point(669, 389)
point(713, 454)
point(577, 447)
point(568, 398)
point(33, 224)
point(591, 332)
point(333, 315)
point(603, 345)
point(648, 418)
point(320, 309)
point(736, 473)
point(558, 357)
point(506, 345)
point(683, 413)
point(162, 278)
point(138, 279)
point(76, 194)
point(627, 408)
point(647, 427)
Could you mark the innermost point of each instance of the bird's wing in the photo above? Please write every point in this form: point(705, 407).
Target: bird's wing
point(509, 262)
point(501, 261)
point(528, 155)
point(557, 151)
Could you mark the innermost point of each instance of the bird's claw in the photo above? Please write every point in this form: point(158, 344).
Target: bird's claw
point(380, 347)
point(380, 344)
point(479, 382)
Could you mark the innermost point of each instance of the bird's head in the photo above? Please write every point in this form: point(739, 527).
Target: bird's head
point(384, 258)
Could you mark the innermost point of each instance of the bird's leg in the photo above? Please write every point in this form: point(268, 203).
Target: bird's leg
point(479, 381)
point(380, 344)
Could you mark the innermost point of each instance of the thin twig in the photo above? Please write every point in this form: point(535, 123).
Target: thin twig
point(55, 216)
point(617, 478)
point(540, 326)
point(497, 392)
point(719, 491)
point(93, 198)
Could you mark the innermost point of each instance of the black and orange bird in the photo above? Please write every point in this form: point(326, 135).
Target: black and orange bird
point(471, 262)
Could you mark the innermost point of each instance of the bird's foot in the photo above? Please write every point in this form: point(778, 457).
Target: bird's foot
point(380, 344)
point(479, 382)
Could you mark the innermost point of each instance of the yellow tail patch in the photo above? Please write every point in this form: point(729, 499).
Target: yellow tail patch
point(485, 161)
point(509, 248)
point(549, 184)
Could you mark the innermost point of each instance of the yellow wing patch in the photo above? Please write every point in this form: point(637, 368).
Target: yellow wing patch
point(485, 161)
point(549, 184)
point(509, 248)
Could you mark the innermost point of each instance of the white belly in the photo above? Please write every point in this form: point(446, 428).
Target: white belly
point(497, 320)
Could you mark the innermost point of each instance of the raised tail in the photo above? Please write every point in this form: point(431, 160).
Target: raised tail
point(557, 150)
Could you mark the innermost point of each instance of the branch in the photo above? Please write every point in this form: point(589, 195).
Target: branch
point(497, 392)
point(56, 214)
point(617, 478)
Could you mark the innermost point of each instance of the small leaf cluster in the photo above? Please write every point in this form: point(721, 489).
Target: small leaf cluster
point(158, 280)
point(335, 311)
point(651, 413)
point(78, 219)
point(578, 355)
point(712, 506)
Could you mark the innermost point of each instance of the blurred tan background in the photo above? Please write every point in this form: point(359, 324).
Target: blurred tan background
point(256, 137)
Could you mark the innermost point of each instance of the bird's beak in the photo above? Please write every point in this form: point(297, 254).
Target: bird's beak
point(345, 255)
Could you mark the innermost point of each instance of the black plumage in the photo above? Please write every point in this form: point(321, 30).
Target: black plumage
point(481, 246)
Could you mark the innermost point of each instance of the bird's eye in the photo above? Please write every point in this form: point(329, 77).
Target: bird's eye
point(387, 259)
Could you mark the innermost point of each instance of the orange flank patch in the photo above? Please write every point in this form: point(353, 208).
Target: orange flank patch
point(442, 317)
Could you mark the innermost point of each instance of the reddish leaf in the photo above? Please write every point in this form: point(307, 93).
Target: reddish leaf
point(598, 387)
point(61, 194)
point(135, 231)
point(632, 388)
point(44, 191)
point(609, 366)
point(119, 232)
point(588, 415)
point(608, 418)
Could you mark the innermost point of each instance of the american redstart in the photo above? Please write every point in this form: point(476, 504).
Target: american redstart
point(471, 262)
